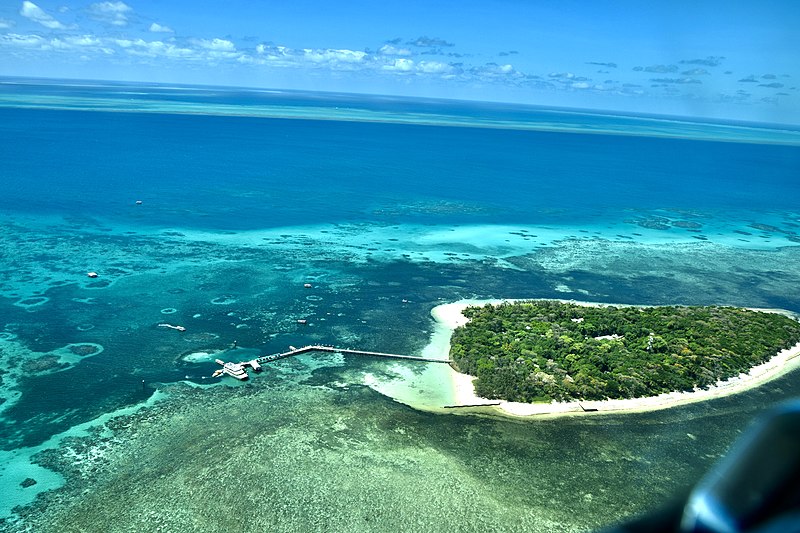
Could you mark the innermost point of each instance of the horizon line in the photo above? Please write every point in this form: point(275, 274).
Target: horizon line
point(790, 130)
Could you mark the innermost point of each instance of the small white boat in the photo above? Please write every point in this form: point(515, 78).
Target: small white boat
point(170, 326)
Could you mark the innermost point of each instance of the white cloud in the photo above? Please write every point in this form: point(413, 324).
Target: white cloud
point(212, 50)
point(155, 27)
point(434, 67)
point(114, 13)
point(390, 50)
point(83, 44)
point(154, 51)
point(273, 50)
point(495, 72)
point(140, 47)
point(35, 13)
point(83, 40)
point(334, 56)
point(26, 41)
point(276, 56)
point(166, 50)
point(400, 65)
point(269, 50)
point(5, 24)
point(58, 44)
point(219, 45)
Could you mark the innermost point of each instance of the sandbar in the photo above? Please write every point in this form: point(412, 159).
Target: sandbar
point(450, 316)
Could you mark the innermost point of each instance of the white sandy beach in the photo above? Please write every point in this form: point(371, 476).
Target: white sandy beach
point(449, 316)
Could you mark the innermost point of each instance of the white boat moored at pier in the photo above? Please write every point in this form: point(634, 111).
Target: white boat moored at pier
point(234, 370)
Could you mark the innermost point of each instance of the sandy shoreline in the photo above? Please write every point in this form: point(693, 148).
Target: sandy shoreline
point(449, 316)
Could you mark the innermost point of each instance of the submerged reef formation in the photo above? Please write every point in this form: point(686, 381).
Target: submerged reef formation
point(548, 350)
point(280, 457)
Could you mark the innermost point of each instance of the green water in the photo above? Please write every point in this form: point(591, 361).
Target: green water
point(300, 450)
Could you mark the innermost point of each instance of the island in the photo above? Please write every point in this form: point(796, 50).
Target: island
point(548, 352)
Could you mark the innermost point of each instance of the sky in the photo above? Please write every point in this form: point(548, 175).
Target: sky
point(737, 60)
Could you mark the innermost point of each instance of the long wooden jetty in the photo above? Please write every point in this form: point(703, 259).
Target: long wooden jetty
point(333, 349)
point(239, 370)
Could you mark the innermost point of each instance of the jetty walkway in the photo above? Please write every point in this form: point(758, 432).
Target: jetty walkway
point(333, 349)
point(238, 371)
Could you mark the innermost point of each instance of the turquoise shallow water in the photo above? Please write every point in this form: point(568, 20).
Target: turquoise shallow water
point(385, 220)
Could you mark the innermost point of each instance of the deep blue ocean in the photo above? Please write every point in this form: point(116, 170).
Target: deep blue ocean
point(222, 172)
point(213, 208)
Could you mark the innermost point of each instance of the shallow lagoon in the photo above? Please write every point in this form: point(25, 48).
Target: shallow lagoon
point(225, 250)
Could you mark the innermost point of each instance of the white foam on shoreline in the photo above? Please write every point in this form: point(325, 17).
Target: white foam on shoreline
point(450, 316)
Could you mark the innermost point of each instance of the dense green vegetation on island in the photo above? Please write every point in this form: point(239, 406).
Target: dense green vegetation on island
point(549, 350)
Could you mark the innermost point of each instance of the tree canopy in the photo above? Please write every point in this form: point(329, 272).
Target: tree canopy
point(540, 351)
